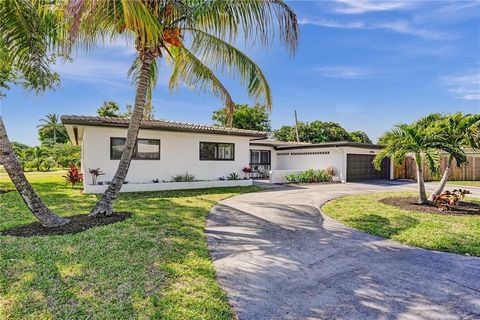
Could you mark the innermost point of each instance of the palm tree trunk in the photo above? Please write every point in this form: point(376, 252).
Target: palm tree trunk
point(441, 185)
point(10, 162)
point(420, 180)
point(104, 205)
point(230, 111)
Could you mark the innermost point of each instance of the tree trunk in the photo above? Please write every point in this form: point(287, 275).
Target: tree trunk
point(10, 162)
point(441, 185)
point(230, 111)
point(421, 183)
point(104, 205)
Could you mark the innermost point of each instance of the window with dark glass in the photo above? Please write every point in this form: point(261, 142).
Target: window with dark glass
point(145, 149)
point(217, 151)
point(259, 157)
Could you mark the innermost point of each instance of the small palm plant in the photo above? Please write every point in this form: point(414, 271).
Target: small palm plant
point(461, 131)
point(418, 140)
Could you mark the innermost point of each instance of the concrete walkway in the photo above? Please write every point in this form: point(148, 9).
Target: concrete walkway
point(278, 257)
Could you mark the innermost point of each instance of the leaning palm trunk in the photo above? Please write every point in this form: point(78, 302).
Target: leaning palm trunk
point(420, 180)
point(11, 164)
point(443, 181)
point(104, 206)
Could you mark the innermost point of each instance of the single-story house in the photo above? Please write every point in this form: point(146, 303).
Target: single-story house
point(166, 148)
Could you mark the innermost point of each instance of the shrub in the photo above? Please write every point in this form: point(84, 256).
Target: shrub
point(95, 174)
point(73, 176)
point(48, 163)
point(309, 176)
point(187, 177)
point(447, 199)
point(292, 178)
point(233, 176)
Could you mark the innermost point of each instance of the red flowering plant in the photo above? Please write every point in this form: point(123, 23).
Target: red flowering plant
point(73, 176)
point(247, 171)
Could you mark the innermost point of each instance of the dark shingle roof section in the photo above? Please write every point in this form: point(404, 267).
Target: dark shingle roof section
point(333, 145)
point(276, 143)
point(159, 125)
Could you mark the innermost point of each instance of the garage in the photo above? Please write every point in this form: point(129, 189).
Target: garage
point(360, 167)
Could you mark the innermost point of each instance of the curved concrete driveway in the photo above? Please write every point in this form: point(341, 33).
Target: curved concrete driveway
point(278, 257)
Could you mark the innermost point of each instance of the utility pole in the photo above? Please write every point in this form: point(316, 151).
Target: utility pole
point(296, 126)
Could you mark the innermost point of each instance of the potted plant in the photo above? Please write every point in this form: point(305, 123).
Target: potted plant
point(247, 171)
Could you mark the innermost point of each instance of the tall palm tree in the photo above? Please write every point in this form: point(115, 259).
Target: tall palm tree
point(196, 37)
point(461, 131)
point(52, 123)
point(25, 36)
point(417, 140)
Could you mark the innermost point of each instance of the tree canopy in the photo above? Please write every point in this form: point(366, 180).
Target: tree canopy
point(359, 136)
point(51, 131)
point(319, 132)
point(245, 117)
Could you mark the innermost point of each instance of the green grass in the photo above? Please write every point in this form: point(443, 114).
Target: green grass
point(153, 265)
point(465, 183)
point(457, 234)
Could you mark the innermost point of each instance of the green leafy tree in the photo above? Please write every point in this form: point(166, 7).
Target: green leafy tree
point(245, 117)
point(109, 109)
point(65, 155)
point(28, 29)
point(359, 136)
point(51, 131)
point(112, 109)
point(159, 29)
point(423, 144)
point(285, 133)
point(313, 132)
point(461, 131)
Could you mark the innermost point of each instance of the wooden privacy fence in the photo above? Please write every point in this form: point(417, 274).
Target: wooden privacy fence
point(469, 172)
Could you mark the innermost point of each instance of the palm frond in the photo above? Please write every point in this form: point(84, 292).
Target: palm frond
point(24, 45)
point(256, 19)
point(187, 68)
point(227, 58)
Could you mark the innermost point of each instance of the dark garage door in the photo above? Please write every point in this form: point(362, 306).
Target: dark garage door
point(360, 167)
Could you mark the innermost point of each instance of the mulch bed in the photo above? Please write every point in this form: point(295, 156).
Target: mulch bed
point(78, 223)
point(410, 203)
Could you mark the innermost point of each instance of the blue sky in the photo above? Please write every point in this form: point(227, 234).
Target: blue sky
point(365, 64)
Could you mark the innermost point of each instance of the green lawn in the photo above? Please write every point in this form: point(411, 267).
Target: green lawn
point(465, 183)
point(153, 265)
point(458, 234)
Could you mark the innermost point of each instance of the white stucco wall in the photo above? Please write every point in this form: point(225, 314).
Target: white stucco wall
point(305, 158)
point(179, 153)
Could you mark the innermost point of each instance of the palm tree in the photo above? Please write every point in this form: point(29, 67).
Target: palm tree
point(461, 131)
point(195, 36)
point(25, 36)
point(37, 155)
point(417, 140)
point(51, 122)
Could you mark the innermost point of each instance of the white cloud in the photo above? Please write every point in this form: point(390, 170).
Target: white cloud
point(450, 12)
point(330, 23)
point(465, 86)
point(88, 70)
point(342, 72)
point(364, 6)
point(398, 26)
